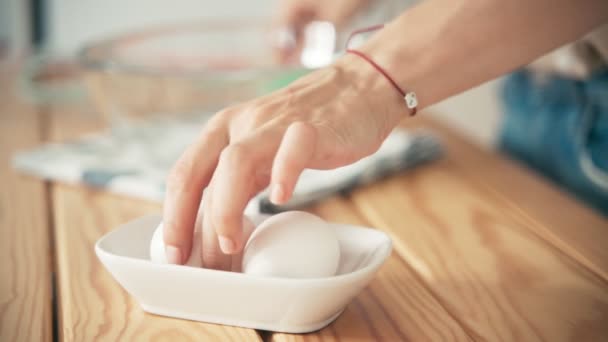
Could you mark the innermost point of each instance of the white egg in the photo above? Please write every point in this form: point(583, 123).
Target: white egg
point(157, 248)
point(292, 244)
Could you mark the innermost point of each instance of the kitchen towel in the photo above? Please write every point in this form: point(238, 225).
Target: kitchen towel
point(136, 164)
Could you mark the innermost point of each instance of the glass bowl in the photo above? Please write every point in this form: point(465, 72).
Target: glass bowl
point(192, 69)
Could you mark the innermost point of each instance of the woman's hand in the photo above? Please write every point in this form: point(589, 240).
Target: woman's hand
point(294, 15)
point(329, 118)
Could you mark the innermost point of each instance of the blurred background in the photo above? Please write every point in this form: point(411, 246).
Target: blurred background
point(58, 29)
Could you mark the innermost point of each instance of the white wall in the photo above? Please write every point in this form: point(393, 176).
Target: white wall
point(475, 113)
point(14, 25)
point(74, 22)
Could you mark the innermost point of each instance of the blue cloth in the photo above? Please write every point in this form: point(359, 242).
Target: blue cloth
point(559, 127)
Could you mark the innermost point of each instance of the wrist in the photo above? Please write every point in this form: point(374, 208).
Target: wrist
point(409, 51)
point(373, 89)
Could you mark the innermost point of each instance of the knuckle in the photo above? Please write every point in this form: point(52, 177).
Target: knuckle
point(259, 116)
point(225, 222)
point(252, 118)
point(215, 126)
point(222, 219)
point(237, 154)
point(214, 132)
point(179, 174)
point(220, 120)
point(227, 113)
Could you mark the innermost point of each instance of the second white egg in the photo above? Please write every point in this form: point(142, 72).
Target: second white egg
point(292, 245)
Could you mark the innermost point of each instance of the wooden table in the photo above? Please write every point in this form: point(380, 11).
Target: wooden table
point(483, 250)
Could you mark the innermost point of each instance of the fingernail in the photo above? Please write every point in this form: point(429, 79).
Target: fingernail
point(277, 194)
point(227, 245)
point(174, 255)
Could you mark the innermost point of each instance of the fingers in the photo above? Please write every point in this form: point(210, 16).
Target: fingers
point(234, 184)
point(185, 184)
point(237, 259)
point(340, 12)
point(212, 255)
point(294, 155)
point(285, 44)
point(291, 20)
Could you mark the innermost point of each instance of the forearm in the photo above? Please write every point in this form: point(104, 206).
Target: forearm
point(442, 47)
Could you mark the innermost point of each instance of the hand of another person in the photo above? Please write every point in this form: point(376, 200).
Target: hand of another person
point(294, 15)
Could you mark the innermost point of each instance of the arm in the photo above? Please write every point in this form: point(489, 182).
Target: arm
point(443, 47)
point(339, 114)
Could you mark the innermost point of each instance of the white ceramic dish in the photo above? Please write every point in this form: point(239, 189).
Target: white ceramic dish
point(276, 304)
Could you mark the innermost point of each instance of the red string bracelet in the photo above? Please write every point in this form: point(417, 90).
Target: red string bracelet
point(410, 97)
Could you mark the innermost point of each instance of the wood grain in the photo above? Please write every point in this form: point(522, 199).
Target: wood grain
point(483, 250)
point(25, 256)
point(548, 211)
point(501, 281)
point(92, 305)
point(396, 306)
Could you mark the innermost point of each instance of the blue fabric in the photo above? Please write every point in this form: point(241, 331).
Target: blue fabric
point(554, 124)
